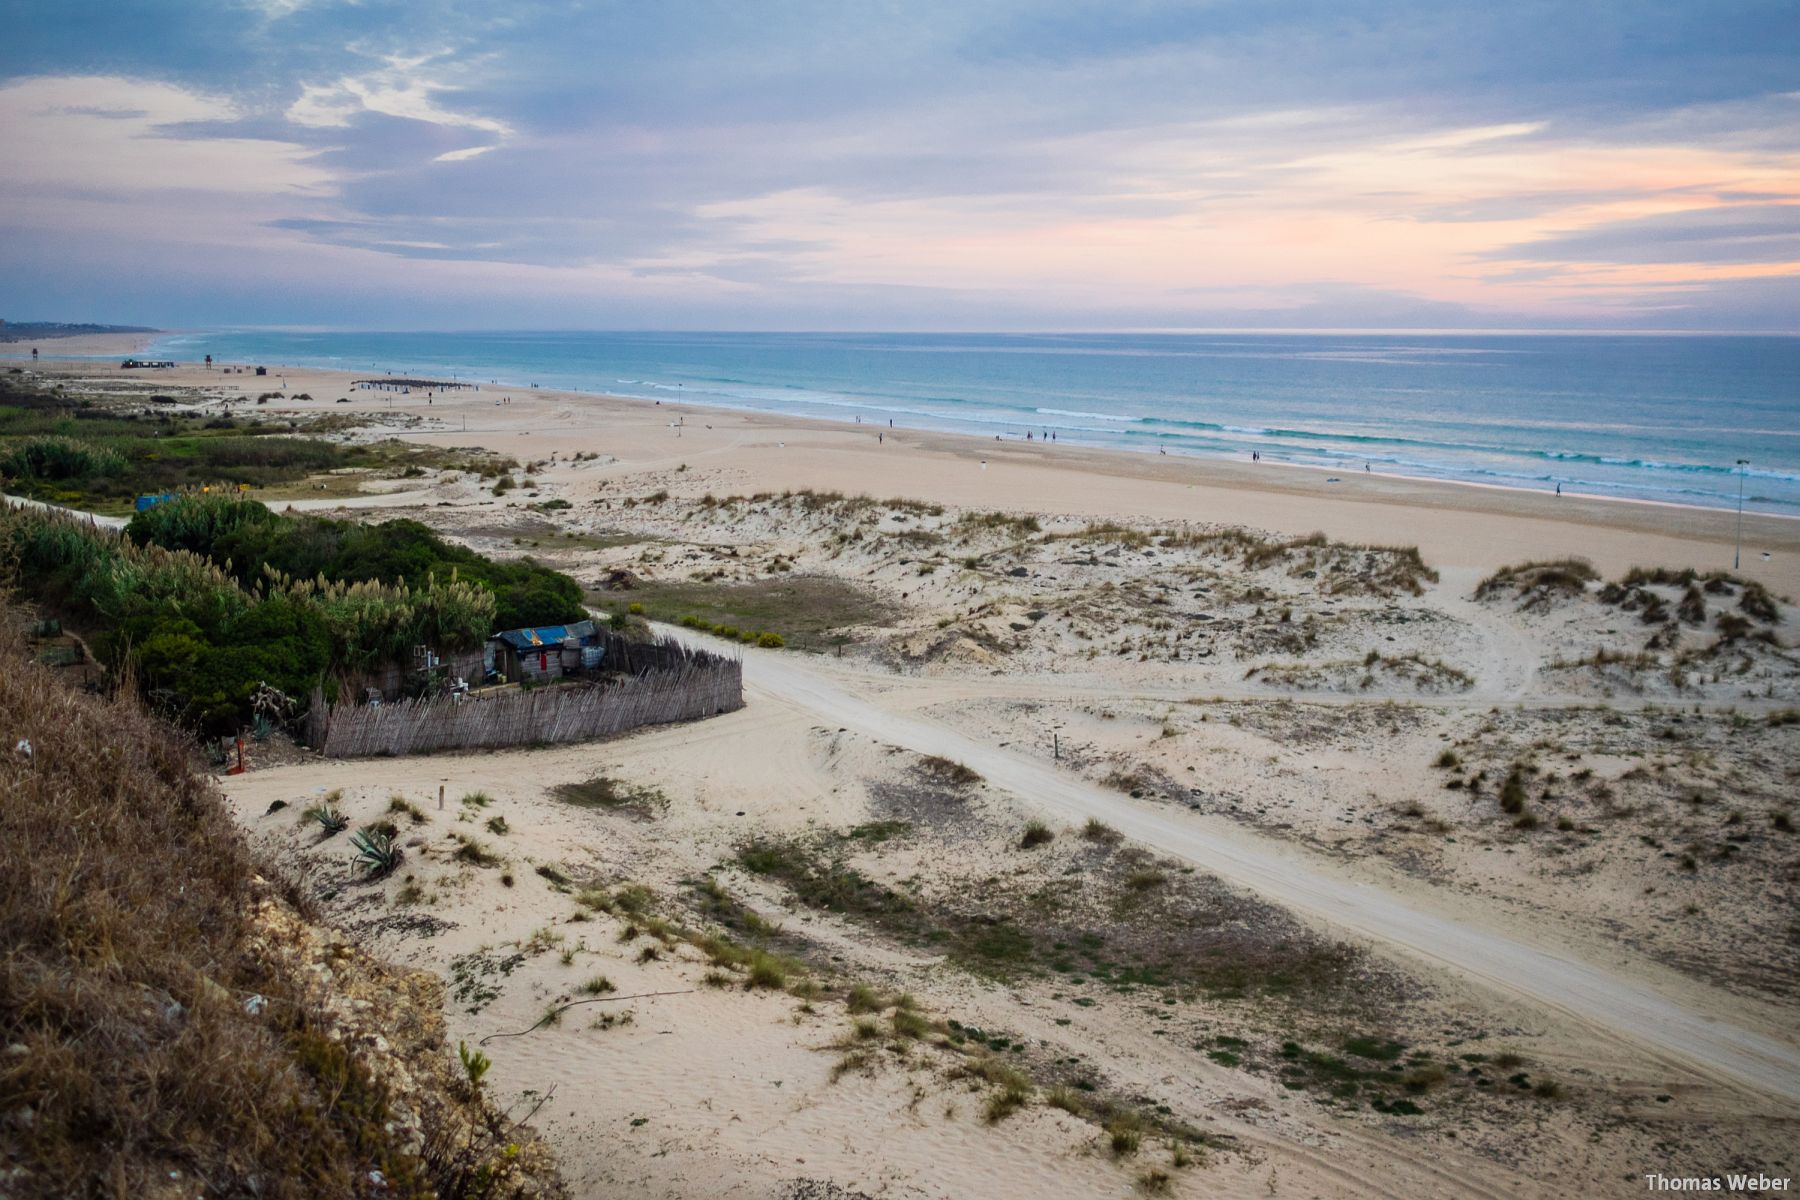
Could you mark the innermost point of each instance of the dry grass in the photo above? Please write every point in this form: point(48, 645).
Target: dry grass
point(1538, 584)
point(130, 961)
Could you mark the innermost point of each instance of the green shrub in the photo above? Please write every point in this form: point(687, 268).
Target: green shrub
point(211, 597)
point(329, 818)
point(60, 458)
point(475, 1064)
point(376, 854)
point(1124, 1134)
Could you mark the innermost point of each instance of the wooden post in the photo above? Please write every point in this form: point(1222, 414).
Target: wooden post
point(440, 797)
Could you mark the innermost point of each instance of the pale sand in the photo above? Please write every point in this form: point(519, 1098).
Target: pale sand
point(703, 1068)
point(1454, 525)
point(124, 345)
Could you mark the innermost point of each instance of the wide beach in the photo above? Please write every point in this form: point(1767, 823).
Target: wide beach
point(1460, 526)
point(1186, 831)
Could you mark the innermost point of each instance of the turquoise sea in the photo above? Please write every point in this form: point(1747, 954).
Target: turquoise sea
point(1650, 417)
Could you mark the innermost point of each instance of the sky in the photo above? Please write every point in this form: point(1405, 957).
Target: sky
point(1129, 164)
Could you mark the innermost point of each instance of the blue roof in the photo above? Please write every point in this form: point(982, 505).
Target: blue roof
point(547, 635)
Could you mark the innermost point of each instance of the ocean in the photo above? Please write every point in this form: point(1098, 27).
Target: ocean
point(1647, 417)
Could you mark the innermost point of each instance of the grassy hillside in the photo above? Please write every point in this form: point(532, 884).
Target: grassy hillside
point(167, 1025)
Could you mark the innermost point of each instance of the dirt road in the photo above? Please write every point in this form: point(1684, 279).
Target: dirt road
point(1507, 961)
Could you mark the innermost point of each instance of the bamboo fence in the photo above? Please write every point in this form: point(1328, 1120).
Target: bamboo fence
point(695, 683)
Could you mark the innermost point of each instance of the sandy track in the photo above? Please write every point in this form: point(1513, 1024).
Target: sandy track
point(1503, 961)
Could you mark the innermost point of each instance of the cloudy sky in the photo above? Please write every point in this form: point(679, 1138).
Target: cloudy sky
point(843, 165)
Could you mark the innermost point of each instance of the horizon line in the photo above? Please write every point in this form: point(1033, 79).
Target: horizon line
point(1072, 331)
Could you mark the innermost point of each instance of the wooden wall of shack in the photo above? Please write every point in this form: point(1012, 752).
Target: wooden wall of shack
point(620, 656)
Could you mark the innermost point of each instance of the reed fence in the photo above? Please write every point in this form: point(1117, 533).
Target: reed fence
point(690, 684)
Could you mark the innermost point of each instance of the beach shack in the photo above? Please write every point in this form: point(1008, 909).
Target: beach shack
point(544, 653)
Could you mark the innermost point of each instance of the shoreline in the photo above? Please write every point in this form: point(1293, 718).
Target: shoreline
point(1456, 524)
point(1520, 483)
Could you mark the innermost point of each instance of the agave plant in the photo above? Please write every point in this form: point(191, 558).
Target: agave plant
point(330, 819)
point(376, 854)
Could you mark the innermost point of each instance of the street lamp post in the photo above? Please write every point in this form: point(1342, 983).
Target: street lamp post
point(1737, 552)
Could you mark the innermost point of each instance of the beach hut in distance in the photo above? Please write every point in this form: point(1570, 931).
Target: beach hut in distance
point(544, 653)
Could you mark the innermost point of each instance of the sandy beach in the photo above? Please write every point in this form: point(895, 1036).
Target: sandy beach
point(1460, 526)
point(1170, 857)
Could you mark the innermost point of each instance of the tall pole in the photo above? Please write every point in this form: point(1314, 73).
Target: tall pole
point(1737, 552)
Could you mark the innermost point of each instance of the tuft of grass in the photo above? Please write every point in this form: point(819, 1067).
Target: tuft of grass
point(948, 771)
point(1512, 791)
point(909, 1024)
point(1012, 1094)
point(766, 971)
point(1036, 834)
point(599, 985)
point(470, 851)
point(1125, 1134)
point(1100, 832)
point(400, 804)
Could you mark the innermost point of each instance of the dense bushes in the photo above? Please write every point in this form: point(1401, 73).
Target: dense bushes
point(199, 639)
point(56, 458)
point(73, 450)
point(245, 537)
